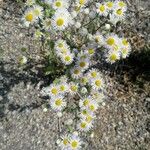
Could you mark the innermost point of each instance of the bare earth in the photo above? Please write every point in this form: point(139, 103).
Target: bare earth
point(123, 122)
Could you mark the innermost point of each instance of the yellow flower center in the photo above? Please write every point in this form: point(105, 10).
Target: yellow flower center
point(121, 4)
point(76, 71)
point(92, 107)
point(65, 142)
point(113, 57)
point(82, 2)
point(89, 118)
point(60, 45)
point(58, 4)
point(58, 102)
point(124, 51)
point(83, 125)
point(86, 102)
point(82, 64)
point(98, 83)
point(54, 91)
point(60, 22)
point(94, 74)
point(74, 144)
point(110, 41)
point(119, 12)
point(110, 4)
point(74, 88)
point(84, 112)
point(125, 42)
point(67, 58)
point(29, 17)
point(91, 51)
point(102, 8)
point(62, 87)
point(36, 12)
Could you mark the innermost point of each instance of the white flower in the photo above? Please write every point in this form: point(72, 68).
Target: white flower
point(58, 103)
point(52, 90)
point(112, 56)
point(125, 51)
point(120, 4)
point(102, 9)
point(107, 26)
point(59, 114)
point(97, 83)
point(109, 5)
point(63, 87)
point(67, 59)
point(98, 38)
point(38, 11)
point(84, 126)
point(83, 64)
point(73, 88)
point(111, 41)
point(93, 73)
point(61, 19)
point(64, 144)
point(60, 44)
point(59, 4)
point(30, 2)
point(76, 72)
point(29, 17)
point(75, 143)
point(93, 106)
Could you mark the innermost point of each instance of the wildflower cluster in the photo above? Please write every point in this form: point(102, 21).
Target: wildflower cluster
point(80, 30)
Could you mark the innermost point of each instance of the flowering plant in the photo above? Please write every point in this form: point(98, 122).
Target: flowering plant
point(78, 31)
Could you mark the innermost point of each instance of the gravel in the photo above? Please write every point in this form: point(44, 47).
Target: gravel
point(123, 122)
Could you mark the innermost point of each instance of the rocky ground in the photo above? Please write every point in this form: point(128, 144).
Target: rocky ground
point(123, 122)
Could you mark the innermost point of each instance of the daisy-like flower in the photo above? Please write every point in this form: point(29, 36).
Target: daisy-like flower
point(119, 13)
point(64, 144)
point(29, 17)
point(93, 73)
point(102, 9)
point(112, 57)
point(84, 126)
point(83, 64)
point(59, 4)
point(61, 19)
point(97, 83)
point(53, 90)
point(73, 88)
point(89, 118)
point(38, 11)
point(84, 80)
point(60, 45)
point(63, 87)
point(67, 59)
point(111, 41)
point(109, 5)
point(125, 51)
point(58, 103)
point(125, 42)
point(76, 73)
point(97, 96)
point(98, 38)
point(30, 2)
point(85, 102)
point(121, 4)
point(75, 143)
point(93, 106)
